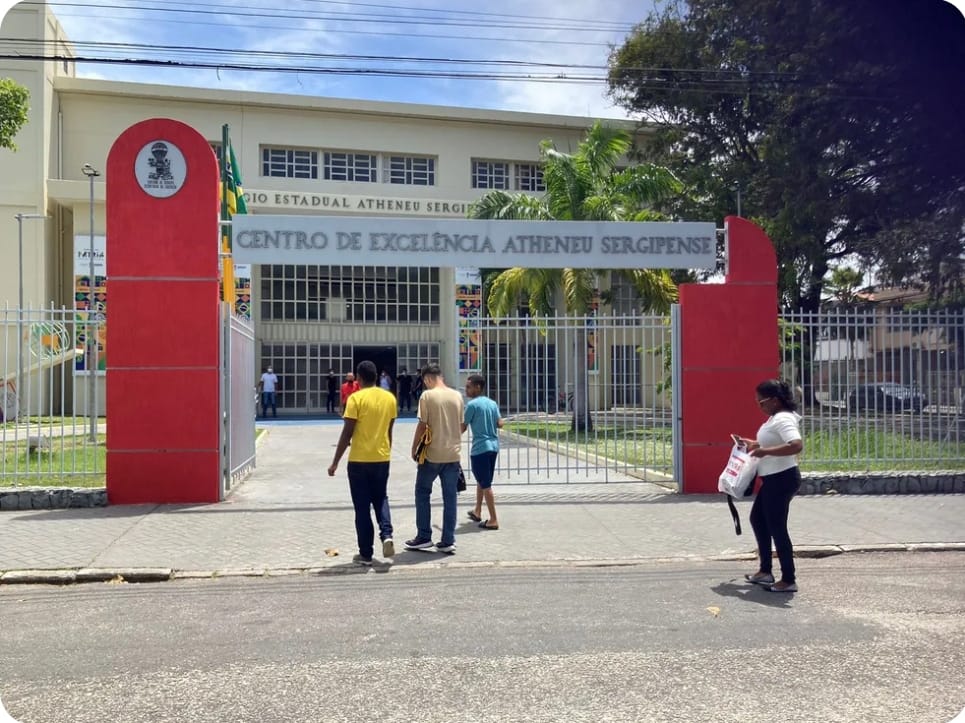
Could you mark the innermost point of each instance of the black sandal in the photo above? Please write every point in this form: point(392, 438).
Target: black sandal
point(486, 526)
point(473, 516)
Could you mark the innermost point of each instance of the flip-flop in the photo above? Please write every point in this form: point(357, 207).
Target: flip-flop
point(486, 526)
point(473, 516)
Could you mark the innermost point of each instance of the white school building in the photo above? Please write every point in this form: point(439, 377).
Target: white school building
point(298, 155)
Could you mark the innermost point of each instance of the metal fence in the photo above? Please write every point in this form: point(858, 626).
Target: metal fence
point(50, 432)
point(238, 398)
point(587, 399)
point(881, 389)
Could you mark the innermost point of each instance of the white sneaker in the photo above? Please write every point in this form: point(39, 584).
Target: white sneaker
point(388, 547)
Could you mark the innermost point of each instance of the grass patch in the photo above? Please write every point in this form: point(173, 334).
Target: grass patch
point(83, 464)
point(873, 450)
point(844, 450)
point(79, 423)
point(636, 447)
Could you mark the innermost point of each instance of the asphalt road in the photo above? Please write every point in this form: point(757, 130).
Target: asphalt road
point(876, 637)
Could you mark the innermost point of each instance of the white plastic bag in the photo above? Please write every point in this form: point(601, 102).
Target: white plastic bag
point(739, 474)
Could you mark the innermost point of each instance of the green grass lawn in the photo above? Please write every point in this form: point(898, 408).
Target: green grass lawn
point(848, 450)
point(83, 463)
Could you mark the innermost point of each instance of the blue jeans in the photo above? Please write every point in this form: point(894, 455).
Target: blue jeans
point(448, 474)
point(368, 482)
point(268, 400)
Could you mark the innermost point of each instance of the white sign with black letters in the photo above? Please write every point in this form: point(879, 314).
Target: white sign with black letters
point(328, 240)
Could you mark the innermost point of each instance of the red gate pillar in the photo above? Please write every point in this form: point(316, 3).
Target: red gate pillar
point(163, 405)
point(729, 343)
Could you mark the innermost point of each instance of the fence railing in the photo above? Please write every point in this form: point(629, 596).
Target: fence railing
point(881, 389)
point(50, 429)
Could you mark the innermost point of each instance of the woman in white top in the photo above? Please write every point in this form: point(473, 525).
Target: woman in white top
point(777, 445)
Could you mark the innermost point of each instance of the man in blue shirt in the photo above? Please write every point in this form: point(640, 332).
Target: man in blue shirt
point(483, 418)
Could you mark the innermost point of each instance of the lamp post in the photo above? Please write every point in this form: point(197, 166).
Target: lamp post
point(91, 351)
point(21, 217)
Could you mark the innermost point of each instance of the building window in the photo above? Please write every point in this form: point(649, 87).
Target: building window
point(353, 294)
point(289, 163)
point(490, 174)
point(358, 167)
point(411, 170)
point(529, 177)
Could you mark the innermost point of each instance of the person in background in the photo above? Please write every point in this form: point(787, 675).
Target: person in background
point(349, 387)
point(369, 418)
point(332, 400)
point(777, 445)
point(404, 381)
point(385, 381)
point(483, 418)
point(441, 409)
point(268, 386)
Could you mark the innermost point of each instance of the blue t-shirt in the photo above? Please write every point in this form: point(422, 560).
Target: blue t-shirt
point(480, 416)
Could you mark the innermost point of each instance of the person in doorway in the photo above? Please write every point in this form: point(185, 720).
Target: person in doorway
point(332, 400)
point(367, 427)
point(268, 387)
point(349, 387)
point(482, 417)
point(777, 445)
point(440, 409)
point(385, 381)
point(404, 385)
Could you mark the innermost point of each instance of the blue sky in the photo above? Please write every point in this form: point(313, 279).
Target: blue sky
point(570, 33)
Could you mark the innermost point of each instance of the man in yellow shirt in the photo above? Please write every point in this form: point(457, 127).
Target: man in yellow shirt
point(369, 417)
point(440, 409)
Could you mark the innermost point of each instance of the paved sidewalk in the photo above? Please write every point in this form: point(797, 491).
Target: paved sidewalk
point(291, 516)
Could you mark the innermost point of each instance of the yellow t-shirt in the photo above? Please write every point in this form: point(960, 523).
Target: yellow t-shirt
point(373, 409)
point(442, 409)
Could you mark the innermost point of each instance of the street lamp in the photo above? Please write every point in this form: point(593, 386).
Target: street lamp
point(21, 217)
point(91, 173)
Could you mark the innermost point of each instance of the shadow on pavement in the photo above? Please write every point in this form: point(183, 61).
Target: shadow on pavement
point(753, 593)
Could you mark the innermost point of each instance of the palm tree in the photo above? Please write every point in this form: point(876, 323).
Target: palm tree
point(582, 186)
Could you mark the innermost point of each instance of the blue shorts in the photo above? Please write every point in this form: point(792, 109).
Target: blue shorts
point(483, 468)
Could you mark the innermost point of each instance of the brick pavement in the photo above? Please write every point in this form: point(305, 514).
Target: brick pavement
point(290, 512)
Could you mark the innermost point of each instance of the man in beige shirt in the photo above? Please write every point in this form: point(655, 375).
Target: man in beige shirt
point(441, 409)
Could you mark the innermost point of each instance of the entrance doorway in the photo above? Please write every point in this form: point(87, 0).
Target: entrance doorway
point(384, 358)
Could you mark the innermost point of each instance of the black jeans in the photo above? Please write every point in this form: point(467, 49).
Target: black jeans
point(769, 520)
point(332, 401)
point(368, 482)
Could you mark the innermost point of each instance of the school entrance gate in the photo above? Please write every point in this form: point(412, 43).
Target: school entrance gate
point(162, 226)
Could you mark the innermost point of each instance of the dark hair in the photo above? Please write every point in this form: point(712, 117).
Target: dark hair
point(477, 380)
point(366, 372)
point(779, 390)
point(431, 370)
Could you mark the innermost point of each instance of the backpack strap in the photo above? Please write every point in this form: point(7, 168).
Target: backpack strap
point(733, 513)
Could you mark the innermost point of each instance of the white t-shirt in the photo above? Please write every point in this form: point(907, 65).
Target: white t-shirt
point(779, 429)
point(268, 382)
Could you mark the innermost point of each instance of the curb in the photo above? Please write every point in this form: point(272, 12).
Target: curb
point(117, 576)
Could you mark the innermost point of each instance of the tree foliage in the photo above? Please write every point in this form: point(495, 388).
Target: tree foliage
point(13, 111)
point(837, 122)
point(582, 186)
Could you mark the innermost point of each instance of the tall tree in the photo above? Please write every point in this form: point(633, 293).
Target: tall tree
point(836, 122)
point(582, 186)
point(13, 111)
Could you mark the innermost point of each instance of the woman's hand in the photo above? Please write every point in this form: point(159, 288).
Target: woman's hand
point(758, 451)
point(750, 445)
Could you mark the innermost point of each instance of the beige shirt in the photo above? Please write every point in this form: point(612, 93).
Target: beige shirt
point(442, 409)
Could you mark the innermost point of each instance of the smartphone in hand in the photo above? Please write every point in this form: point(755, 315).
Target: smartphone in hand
point(738, 441)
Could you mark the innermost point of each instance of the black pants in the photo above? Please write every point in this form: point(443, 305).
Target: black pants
point(368, 482)
point(332, 401)
point(769, 520)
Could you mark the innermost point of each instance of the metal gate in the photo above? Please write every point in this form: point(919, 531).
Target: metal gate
point(238, 398)
point(586, 398)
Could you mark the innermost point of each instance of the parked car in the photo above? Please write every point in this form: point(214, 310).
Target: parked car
point(886, 397)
